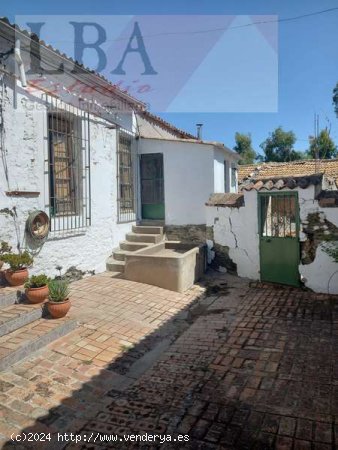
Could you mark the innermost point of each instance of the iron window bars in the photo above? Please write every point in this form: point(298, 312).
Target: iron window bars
point(69, 166)
point(278, 215)
point(126, 201)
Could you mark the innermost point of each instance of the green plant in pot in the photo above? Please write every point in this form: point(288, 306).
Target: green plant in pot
point(17, 273)
point(36, 288)
point(4, 248)
point(58, 299)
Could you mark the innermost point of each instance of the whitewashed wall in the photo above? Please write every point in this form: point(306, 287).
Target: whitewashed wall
point(192, 171)
point(25, 149)
point(188, 179)
point(237, 228)
point(322, 274)
point(222, 175)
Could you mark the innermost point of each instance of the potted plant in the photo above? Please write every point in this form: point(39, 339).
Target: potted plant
point(58, 299)
point(17, 273)
point(37, 288)
point(4, 248)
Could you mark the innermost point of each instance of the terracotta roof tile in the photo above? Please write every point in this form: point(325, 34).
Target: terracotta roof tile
point(282, 182)
point(228, 199)
point(329, 167)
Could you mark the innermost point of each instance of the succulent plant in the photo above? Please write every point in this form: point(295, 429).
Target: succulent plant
point(37, 281)
point(58, 290)
point(17, 261)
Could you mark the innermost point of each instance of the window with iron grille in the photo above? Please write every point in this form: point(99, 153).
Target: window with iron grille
point(69, 167)
point(126, 204)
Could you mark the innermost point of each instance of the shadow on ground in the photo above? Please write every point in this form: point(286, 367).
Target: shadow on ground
point(244, 367)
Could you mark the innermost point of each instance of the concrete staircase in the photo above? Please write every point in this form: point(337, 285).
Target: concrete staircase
point(25, 328)
point(141, 236)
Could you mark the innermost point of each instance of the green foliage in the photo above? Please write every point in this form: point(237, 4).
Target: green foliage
point(17, 261)
point(58, 290)
point(279, 146)
point(335, 99)
point(331, 248)
point(324, 145)
point(36, 281)
point(5, 248)
point(244, 148)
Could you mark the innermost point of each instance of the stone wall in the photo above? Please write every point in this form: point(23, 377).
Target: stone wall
point(187, 233)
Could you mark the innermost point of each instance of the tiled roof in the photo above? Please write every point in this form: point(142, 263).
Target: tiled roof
point(329, 167)
point(166, 125)
point(282, 183)
point(227, 199)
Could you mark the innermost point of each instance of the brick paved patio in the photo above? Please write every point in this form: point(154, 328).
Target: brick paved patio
point(246, 367)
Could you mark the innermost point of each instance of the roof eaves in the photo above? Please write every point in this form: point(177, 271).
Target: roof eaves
point(103, 80)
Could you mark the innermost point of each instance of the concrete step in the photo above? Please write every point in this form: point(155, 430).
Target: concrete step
point(152, 223)
point(147, 230)
point(120, 255)
point(8, 297)
point(114, 265)
point(151, 238)
point(20, 343)
point(133, 246)
point(14, 317)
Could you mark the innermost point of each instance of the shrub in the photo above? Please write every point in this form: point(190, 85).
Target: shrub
point(37, 281)
point(58, 290)
point(17, 261)
point(5, 248)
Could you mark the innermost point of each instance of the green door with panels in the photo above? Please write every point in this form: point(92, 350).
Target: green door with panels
point(152, 186)
point(279, 237)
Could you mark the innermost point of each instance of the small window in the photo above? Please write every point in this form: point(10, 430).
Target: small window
point(233, 176)
point(69, 170)
point(126, 197)
point(63, 174)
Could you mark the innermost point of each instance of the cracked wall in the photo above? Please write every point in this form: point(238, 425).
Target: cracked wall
point(234, 242)
point(318, 224)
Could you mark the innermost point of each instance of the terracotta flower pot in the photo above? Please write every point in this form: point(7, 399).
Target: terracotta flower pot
point(16, 277)
point(37, 295)
point(58, 309)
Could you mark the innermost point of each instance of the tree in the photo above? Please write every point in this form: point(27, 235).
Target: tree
point(278, 147)
point(335, 99)
point(244, 148)
point(323, 146)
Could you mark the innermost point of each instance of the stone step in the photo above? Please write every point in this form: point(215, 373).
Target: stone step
point(151, 238)
point(14, 317)
point(20, 343)
point(113, 265)
point(139, 229)
point(133, 246)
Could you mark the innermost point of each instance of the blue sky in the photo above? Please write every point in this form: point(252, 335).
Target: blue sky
point(308, 60)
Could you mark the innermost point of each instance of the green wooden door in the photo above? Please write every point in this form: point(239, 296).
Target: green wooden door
point(279, 237)
point(152, 186)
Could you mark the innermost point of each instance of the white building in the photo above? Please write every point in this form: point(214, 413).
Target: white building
point(93, 159)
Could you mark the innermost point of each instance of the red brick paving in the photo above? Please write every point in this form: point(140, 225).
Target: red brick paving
point(257, 369)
